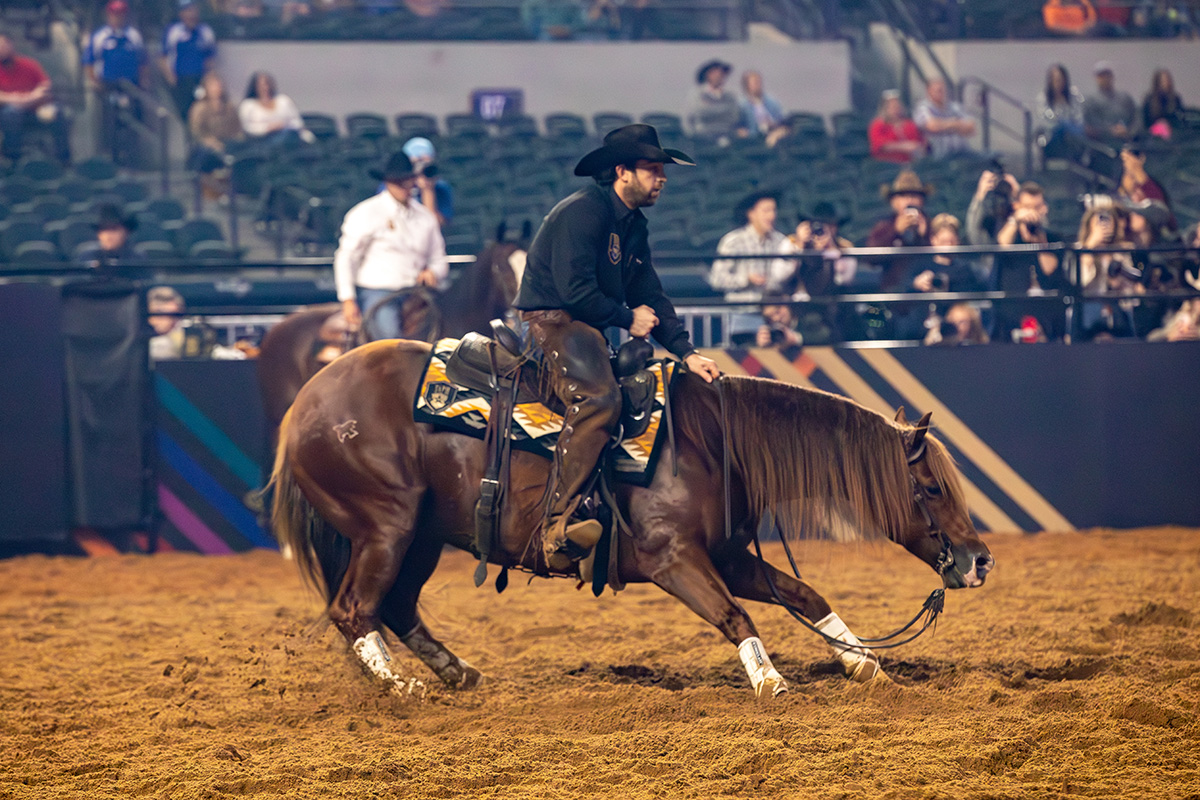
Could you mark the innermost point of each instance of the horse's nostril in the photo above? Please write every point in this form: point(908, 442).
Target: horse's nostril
point(983, 565)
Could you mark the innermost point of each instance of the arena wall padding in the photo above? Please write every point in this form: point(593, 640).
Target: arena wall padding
point(33, 492)
point(105, 344)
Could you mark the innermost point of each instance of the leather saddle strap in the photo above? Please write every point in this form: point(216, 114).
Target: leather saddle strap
point(497, 445)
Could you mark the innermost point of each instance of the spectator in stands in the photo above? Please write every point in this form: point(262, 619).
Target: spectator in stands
point(1136, 185)
point(1069, 17)
point(762, 115)
point(188, 49)
point(213, 123)
point(961, 324)
point(1059, 120)
point(112, 238)
point(712, 111)
point(943, 122)
point(1183, 325)
point(389, 242)
point(164, 305)
point(893, 136)
point(747, 280)
point(943, 272)
point(1108, 114)
point(269, 116)
point(1105, 225)
point(552, 20)
point(1026, 273)
point(907, 225)
point(779, 327)
point(817, 232)
point(1162, 109)
point(116, 52)
point(433, 191)
point(26, 104)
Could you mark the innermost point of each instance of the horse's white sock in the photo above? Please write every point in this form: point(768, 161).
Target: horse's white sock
point(375, 655)
point(860, 664)
point(763, 675)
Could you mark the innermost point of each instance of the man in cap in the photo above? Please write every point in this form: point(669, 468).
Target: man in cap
point(746, 280)
point(433, 192)
point(1108, 114)
point(188, 49)
point(713, 112)
point(589, 270)
point(389, 242)
point(112, 245)
point(115, 52)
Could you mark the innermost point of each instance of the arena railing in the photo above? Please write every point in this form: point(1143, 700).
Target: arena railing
point(231, 295)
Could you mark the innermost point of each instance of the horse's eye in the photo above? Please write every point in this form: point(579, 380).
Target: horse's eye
point(933, 491)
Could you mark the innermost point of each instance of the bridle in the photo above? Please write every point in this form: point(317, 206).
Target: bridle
point(945, 559)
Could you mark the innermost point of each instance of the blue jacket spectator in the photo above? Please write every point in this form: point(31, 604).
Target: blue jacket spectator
point(115, 51)
point(762, 114)
point(188, 49)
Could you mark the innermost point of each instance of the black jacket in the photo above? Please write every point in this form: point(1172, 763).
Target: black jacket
point(591, 258)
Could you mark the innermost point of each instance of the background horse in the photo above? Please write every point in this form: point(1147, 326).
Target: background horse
point(366, 498)
point(295, 349)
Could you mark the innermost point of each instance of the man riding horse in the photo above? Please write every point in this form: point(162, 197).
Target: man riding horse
point(589, 269)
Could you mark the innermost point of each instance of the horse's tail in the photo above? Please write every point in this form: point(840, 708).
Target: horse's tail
point(321, 553)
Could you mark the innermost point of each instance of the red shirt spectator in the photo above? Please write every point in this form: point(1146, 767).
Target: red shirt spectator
point(20, 74)
point(893, 136)
point(25, 104)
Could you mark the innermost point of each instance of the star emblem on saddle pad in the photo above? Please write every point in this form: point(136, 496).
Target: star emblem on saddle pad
point(439, 394)
point(346, 430)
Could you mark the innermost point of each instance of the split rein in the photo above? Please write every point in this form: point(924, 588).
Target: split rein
point(930, 609)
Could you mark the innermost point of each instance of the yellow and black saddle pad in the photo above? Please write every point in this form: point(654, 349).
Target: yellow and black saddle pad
point(535, 426)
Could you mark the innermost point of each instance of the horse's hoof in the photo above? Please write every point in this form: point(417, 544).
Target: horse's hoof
point(471, 679)
point(867, 670)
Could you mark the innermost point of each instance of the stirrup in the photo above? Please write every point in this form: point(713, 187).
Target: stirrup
point(581, 537)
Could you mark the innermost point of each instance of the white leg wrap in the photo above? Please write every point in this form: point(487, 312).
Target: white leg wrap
point(375, 656)
point(860, 664)
point(765, 679)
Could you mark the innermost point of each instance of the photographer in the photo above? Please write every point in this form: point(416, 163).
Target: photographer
point(1027, 273)
point(818, 233)
point(432, 191)
point(938, 273)
point(992, 204)
point(907, 227)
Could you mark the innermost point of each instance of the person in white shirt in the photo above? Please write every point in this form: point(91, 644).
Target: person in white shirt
point(389, 242)
point(748, 280)
point(266, 114)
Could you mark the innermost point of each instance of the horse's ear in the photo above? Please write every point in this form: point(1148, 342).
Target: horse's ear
point(501, 230)
point(923, 422)
point(916, 446)
point(901, 419)
point(526, 230)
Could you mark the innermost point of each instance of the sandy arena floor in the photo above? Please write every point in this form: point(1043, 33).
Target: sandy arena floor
point(1075, 672)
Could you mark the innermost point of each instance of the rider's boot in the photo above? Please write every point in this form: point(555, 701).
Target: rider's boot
point(566, 541)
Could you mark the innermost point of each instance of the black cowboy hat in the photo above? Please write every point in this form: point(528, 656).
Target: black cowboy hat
point(109, 216)
point(707, 65)
point(750, 201)
point(825, 212)
point(635, 142)
point(398, 168)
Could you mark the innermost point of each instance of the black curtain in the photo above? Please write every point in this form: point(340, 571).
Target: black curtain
point(33, 494)
point(107, 391)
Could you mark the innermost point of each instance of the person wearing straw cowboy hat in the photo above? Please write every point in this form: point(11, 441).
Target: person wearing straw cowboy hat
point(589, 270)
point(388, 242)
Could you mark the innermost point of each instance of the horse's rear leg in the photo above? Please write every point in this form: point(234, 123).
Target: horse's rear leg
point(400, 613)
point(690, 576)
point(744, 575)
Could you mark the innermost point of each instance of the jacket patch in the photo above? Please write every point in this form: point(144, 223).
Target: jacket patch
point(614, 248)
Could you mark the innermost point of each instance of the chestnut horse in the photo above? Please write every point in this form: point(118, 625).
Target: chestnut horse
point(366, 498)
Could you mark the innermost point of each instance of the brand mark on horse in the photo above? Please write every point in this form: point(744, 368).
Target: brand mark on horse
point(346, 430)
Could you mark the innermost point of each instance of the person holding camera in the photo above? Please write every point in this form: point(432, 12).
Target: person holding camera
point(1027, 273)
point(433, 191)
point(388, 242)
point(906, 227)
point(817, 232)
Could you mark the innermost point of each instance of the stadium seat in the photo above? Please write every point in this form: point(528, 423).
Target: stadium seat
point(44, 172)
point(74, 235)
point(131, 191)
point(16, 233)
point(35, 252)
point(410, 125)
point(211, 249)
point(75, 189)
point(322, 126)
point(197, 230)
point(668, 125)
point(565, 124)
point(17, 190)
point(364, 125)
point(519, 125)
point(462, 126)
point(50, 208)
point(100, 172)
point(155, 250)
point(605, 121)
point(168, 211)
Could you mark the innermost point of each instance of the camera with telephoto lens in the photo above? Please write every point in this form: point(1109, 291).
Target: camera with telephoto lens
point(998, 202)
point(911, 236)
point(429, 170)
point(818, 228)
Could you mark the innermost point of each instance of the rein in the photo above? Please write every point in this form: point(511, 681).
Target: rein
point(930, 609)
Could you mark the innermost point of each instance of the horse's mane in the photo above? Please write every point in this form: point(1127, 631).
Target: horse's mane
point(825, 466)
